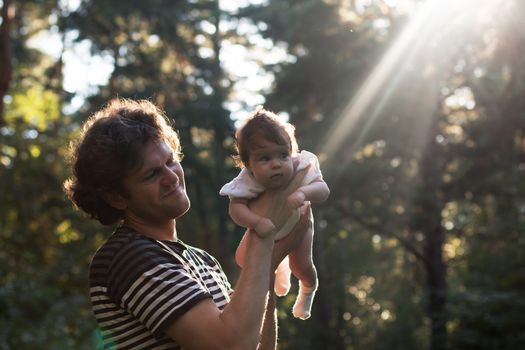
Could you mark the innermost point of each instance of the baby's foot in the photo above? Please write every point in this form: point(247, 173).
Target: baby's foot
point(303, 304)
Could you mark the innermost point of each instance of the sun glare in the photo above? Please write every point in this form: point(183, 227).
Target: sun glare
point(433, 22)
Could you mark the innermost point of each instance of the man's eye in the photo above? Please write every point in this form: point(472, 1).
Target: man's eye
point(153, 174)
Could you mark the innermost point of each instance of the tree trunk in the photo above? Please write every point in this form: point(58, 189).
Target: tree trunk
point(6, 69)
point(436, 287)
point(432, 203)
point(222, 127)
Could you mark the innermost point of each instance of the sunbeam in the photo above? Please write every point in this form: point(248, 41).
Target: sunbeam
point(433, 20)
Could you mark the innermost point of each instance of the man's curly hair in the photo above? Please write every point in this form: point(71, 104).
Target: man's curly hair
point(110, 147)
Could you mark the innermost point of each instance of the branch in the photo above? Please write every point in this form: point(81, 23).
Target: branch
point(381, 229)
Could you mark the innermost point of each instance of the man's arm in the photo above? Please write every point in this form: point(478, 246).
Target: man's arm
point(282, 247)
point(239, 325)
point(269, 330)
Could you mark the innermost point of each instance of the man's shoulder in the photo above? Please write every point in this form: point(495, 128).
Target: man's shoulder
point(122, 246)
point(121, 237)
point(125, 256)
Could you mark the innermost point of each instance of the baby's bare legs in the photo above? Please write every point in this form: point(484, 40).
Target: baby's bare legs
point(240, 253)
point(282, 278)
point(302, 266)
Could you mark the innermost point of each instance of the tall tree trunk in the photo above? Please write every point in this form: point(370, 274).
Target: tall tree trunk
point(432, 203)
point(222, 128)
point(436, 287)
point(6, 69)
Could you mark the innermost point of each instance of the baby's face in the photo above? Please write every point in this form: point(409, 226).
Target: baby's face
point(271, 164)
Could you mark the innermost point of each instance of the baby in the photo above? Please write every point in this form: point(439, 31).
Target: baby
point(269, 158)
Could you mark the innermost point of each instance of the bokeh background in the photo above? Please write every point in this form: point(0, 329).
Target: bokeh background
point(415, 108)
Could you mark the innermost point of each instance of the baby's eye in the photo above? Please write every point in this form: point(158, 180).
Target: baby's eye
point(285, 155)
point(264, 158)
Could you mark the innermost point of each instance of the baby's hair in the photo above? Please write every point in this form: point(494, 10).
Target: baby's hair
point(265, 124)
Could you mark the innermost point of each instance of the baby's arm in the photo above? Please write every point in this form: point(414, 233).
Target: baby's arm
point(316, 191)
point(243, 216)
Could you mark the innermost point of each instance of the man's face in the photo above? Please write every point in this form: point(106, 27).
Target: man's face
point(156, 192)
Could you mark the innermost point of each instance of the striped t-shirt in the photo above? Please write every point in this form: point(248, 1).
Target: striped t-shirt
point(139, 286)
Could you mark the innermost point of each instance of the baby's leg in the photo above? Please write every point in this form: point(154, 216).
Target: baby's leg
point(302, 266)
point(240, 253)
point(282, 278)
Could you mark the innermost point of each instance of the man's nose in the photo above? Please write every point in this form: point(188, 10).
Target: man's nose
point(170, 175)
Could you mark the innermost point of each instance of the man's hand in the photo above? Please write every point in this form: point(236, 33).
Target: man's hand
point(264, 227)
point(296, 200)
point(284, 246)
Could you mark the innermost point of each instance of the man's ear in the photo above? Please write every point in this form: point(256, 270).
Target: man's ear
point(115, 200)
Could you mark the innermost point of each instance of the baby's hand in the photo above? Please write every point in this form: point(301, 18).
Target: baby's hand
point(264, 227)
point(296, 200)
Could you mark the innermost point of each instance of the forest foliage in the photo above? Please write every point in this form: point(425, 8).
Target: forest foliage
point(415, 109)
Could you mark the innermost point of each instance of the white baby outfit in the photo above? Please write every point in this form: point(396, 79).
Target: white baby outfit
point(245, 186)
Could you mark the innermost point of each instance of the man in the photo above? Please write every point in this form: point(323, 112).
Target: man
point(150, 290)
